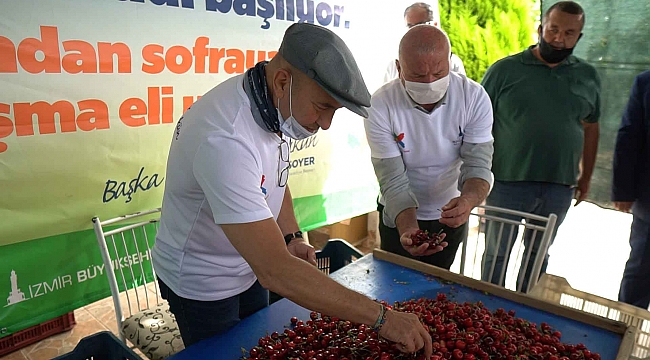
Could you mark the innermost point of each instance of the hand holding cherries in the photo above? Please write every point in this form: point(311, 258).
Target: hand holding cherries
point(424, 237)
point(422, 243)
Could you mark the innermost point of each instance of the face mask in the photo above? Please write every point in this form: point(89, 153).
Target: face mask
point(552, 55)
point(290, 126)
point(427, 93)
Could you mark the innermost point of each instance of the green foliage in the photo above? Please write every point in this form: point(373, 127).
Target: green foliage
point(484, 31)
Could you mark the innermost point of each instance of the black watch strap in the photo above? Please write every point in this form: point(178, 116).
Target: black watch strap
point(289, 237)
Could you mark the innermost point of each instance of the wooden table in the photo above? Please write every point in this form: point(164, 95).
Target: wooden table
point(393, 278)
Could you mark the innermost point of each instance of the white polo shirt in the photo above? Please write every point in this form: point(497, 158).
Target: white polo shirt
point(222, 169)
point(429, 143)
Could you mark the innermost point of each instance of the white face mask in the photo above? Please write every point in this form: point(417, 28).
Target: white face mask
point(290, 126)
point(427, 93)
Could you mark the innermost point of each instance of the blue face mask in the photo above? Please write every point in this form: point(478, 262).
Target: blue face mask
point(290, 126)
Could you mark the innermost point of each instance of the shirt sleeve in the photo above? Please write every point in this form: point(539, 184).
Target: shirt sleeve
point(629, 142)
point(457, 64)
point(595, 114)
point(490, 84)
point(391, 72)
point(480, 118)
point(230, 175)
point(379, 131)
point(394, 186)
point(477, 162)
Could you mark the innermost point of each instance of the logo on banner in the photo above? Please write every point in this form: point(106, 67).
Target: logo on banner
point(299, 163)
point(308, 11)
point(60, 282)
point(15, 295)
point(115, 189)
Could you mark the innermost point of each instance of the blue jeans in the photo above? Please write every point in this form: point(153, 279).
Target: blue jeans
point(199, 320)
point(537, 198)
point(635, 286)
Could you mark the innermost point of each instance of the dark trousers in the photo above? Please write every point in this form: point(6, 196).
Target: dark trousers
point(199, 320)
point(537, 198)
point(635, 286)
point(390, 240)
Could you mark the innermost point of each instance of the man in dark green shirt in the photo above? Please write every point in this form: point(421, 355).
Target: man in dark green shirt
point(546, 107)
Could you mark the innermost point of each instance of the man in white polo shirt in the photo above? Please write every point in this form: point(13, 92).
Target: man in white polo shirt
point(227, 208)
point(430, 135)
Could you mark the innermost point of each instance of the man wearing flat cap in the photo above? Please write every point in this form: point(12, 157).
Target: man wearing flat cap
point(228, 231)
point(430, 136)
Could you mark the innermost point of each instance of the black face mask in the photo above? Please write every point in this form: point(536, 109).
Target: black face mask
point(552, 55)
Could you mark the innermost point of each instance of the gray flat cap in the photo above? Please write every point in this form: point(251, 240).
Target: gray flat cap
point(324, 57)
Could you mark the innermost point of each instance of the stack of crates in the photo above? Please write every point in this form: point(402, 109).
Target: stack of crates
point(557, 290)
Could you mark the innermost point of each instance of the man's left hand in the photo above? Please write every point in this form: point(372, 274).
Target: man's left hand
point(301, 249)
point(582, 190)
point(456, 212)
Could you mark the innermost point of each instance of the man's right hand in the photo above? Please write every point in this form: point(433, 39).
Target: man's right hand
point(625, 206)
point(301, 249)
point(293, 278)
point(407, 331)
point(422, 250)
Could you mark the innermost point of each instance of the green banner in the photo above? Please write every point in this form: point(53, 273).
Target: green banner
point(315, 211)
point(46, 278)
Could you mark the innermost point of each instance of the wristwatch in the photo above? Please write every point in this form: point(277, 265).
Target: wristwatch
point(289, 237)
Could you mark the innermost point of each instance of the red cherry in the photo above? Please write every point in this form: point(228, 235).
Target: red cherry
point(458, 354)
point(467, 331)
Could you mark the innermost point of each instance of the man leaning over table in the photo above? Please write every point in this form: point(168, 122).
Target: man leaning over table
point(227, 207)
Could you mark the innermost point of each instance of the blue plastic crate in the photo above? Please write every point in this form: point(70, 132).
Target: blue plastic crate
point(336, 254)
point(100, 346)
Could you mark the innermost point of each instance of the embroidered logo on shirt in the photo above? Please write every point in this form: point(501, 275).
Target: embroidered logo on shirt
point(399, 139)
point(262, 185)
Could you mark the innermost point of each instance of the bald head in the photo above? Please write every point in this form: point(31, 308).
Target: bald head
point(424, 54)
point(418, 13)
point(424, 39)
